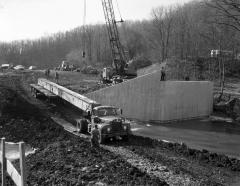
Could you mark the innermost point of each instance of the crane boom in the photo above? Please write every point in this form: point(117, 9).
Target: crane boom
point(119, 58)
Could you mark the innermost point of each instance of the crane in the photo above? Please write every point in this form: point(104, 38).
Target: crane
point(118, 54)
point(119, 58)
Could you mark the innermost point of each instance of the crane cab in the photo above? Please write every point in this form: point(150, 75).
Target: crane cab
point(107, 74)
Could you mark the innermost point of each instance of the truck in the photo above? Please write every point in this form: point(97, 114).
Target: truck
point(109, 119)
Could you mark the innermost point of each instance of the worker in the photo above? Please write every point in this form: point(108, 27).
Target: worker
point(46, 73)
point(56, 76)
point(95, 135)
point(163, 74)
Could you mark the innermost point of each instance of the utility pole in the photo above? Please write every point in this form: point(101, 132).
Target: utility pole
point(84, 32)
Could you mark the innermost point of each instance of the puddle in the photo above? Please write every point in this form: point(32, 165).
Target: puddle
point(12, 150)
point(135, 129)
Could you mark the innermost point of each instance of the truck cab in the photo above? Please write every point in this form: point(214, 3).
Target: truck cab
point(110, 123)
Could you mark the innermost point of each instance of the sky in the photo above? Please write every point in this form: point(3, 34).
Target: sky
point(31, 19)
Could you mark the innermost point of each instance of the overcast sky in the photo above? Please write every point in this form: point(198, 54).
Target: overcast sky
point(29, 19)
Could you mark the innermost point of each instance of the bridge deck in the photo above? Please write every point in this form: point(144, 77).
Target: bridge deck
point(43, 91)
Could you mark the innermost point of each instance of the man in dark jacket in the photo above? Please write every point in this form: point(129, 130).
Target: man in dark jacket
point(95, 135)
point(56, 76)
point(163, 74)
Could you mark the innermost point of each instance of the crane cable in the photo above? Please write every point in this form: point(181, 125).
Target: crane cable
point(119, 11)
point(84, 28)
point(84, 13)
point(124, 28)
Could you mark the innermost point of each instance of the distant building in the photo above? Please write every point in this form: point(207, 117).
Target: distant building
point(222, 53)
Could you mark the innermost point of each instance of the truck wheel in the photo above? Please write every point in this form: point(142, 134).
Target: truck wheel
point(125, 138)
point(32, 92)
point(35, 94)
point(83, 126)
point(102, 139)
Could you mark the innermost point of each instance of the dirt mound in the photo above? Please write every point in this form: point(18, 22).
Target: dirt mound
point(74, 163)
point(21, 120)
point(13, 104)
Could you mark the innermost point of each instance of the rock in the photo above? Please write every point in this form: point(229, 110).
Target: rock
point(155, 168)
point(91, 183)
point(111, 161)
point(85, 169)
point(100, 184)
point(163, 168)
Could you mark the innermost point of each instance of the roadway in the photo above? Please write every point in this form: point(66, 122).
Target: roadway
point(219, 137)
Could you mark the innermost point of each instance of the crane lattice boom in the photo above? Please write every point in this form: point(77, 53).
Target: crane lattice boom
point(119, 58)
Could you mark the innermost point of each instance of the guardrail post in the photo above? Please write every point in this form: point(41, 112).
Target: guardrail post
point(3, 160)
point(22, 163)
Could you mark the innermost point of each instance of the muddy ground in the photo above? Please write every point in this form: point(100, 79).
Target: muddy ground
point(64, 159)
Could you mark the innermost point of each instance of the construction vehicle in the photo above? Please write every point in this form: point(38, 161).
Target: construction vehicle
point(109, 119)
point(120, 65)
point(66, 66)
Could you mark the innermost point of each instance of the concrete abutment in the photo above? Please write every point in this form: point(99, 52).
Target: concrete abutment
point(148, 99)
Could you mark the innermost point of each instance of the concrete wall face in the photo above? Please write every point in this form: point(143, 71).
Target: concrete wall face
point(147, 98)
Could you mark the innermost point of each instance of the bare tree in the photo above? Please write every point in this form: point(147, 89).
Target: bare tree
point(162, 23)
point(227, 12)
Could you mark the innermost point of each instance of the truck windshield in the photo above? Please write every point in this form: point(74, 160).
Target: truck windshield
point(106, 112)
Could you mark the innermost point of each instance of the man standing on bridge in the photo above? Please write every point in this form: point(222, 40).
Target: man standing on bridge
point(95, 137)
point(56, 76)
point(163, 74)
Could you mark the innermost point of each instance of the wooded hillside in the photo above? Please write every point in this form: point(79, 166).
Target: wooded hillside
point(188, 31)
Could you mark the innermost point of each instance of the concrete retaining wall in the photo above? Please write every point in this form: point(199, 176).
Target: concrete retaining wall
point(149, 99)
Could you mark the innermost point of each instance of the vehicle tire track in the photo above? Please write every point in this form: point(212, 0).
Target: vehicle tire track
point(152, 168)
